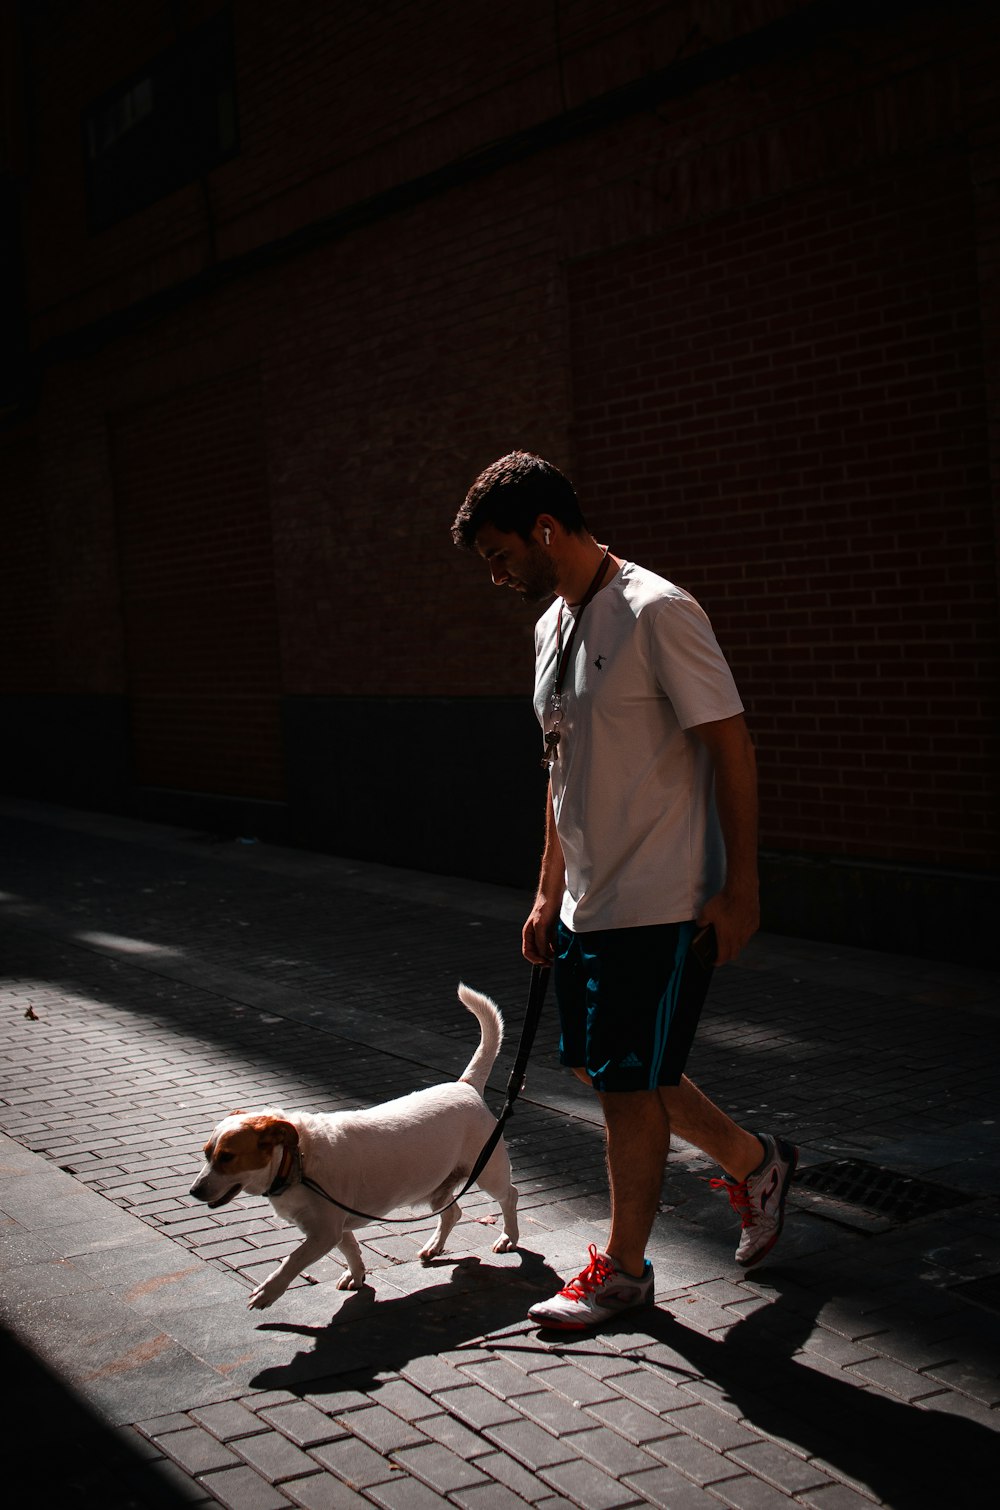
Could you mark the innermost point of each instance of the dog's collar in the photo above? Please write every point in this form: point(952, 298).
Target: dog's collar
point(289, 1173)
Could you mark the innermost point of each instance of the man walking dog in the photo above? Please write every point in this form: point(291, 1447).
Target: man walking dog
point(649, 869)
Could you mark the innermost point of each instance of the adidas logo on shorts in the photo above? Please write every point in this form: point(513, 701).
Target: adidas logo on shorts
point(630, 1062)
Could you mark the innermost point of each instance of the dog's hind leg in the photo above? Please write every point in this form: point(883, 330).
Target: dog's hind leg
point(354, 1277)
point(496, 1181)
point(446, 1222)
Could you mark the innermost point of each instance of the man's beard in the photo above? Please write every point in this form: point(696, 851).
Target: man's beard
point(538, 578)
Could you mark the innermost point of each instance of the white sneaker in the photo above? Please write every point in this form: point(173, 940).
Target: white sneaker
point(598, 1294)
point(759, 1200)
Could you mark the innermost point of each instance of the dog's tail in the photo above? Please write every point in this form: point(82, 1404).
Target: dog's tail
point(486, 1012)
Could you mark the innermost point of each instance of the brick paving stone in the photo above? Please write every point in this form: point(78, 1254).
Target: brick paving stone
point(405, 1400)
point(895, 1379)
point(971, 1379)
point(715, 1428)
point(491, 1496)
point(501, 1378)
point(750, 1493)
point(476, 1406)
point(693, 1459)
point(353, 1461)
point(301, 1422)
point(587, 1486)
point(529, 1444)
point(606, 1365)
point(403, 1493)
point(383, 1430)
point(776, 1466)
point(837, 1349)
point(952, 1404)
point(554, 1412)
point(610, 1451)
point(711, 1392)
point(273, 1456)
point(834, 1497)
point(439, 1468)
point(632, 1421)
point(227, 1420)
point(242, 1489)
point(574, 1384)
point(321, 1491)
point(160, 1425)
point(432, 1374)
point(665, 1487)
point(652, 1389)
point(196, 1450)
point(336, 1400)
point(452, 1434)
point(506, 1470)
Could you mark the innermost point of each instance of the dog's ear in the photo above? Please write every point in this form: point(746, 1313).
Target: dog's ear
point(274, 1130)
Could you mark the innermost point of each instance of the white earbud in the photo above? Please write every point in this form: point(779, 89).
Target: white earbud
point(546, 536)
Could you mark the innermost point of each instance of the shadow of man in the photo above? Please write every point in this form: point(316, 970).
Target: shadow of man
point(912, 1457)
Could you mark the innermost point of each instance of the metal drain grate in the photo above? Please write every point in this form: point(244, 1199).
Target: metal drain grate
point(983, 1292)
point(869, 1198)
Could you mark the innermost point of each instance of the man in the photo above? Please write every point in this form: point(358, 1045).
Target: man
point(649, 870)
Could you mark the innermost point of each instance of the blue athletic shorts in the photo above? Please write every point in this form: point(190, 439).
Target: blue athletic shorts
point(629, 1001)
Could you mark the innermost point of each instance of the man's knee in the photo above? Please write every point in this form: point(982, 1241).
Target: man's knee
point(632, 1106)
point(581, 1074)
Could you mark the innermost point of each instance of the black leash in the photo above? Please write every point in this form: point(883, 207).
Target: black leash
point(515, 1085)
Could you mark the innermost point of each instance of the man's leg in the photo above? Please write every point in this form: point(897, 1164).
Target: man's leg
point(759, 1169)
point(700, 1122)
point(638, 1141)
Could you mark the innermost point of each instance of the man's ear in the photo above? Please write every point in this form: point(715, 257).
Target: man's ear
point(546, 527)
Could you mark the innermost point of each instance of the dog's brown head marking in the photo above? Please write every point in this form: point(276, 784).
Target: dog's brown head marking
point(239, 1147)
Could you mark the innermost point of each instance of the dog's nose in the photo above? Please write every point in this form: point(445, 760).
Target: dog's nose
point(197, 1191)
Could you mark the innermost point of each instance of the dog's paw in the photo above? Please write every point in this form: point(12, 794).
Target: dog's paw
point(261, 1298)
point(347, 1281)
point(504, 1244)
point(430, 1251)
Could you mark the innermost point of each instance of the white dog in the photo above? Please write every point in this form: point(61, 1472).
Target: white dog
point(419, 1148)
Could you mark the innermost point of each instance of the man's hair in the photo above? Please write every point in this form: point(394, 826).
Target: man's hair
point(511, 494)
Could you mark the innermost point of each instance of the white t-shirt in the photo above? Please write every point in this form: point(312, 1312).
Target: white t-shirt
point(632, 791)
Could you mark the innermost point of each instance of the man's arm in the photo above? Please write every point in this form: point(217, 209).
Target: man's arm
point(735, 910)
point(538, 934)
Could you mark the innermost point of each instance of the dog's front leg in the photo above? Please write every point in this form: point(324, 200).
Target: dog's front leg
point(308, 1251)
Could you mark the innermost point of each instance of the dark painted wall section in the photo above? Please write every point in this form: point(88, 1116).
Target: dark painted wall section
point(374, 779)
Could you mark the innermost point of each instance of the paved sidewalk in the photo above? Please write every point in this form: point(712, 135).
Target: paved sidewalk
point(151, 978)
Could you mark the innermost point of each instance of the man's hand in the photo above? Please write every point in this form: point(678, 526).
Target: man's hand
point(539, 933)
point(735, 919)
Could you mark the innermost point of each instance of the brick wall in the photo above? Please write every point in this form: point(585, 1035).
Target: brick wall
point(785, 411)
point(752, 310)
point(197, 589)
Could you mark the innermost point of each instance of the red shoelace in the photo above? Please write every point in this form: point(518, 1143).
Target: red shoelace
point(597, 1271)
point(739, 1198)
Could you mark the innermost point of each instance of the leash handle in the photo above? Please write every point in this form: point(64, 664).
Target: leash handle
point(532, 1014)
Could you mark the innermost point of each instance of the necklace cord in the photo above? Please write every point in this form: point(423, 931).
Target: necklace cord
point(563, 660)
